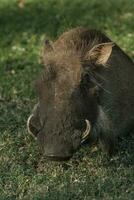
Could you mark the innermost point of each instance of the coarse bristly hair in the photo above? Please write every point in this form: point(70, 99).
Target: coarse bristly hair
point(70, 51)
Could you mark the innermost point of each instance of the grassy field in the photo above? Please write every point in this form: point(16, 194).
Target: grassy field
point(24, 173)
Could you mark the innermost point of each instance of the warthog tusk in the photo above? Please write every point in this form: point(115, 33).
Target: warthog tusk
point(28, 124)
point(87, 131)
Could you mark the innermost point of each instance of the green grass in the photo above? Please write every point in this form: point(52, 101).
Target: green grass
point(24, 173)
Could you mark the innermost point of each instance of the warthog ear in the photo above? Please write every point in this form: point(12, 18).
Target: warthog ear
point(48, 46)
point(100, 53)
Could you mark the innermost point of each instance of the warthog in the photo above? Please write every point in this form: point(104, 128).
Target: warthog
point(86, 92)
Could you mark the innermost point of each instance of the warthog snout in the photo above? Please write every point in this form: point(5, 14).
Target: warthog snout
point(59, 148)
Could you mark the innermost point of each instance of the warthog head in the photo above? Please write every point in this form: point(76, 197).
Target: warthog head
point(68, 94)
